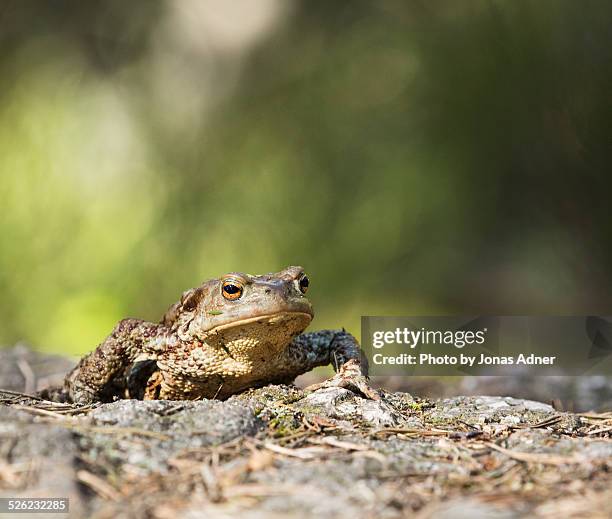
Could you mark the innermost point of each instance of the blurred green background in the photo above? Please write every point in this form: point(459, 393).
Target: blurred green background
point(415, 157)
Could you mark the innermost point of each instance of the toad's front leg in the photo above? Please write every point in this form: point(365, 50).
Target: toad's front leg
point(94, 378)
point(336, 347)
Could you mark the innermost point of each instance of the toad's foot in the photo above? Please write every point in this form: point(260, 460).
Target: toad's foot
point(349, 377)
point(82, 397)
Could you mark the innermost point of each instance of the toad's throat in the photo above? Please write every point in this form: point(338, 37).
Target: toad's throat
point(256, 339)
point(295, 320)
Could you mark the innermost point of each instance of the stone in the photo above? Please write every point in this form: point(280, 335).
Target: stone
point(281, 451)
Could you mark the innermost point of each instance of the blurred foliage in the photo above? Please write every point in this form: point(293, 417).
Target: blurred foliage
point(415, 157)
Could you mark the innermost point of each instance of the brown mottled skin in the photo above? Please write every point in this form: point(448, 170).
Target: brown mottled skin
point(212, 344)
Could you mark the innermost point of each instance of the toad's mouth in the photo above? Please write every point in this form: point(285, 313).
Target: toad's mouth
point(300, 321)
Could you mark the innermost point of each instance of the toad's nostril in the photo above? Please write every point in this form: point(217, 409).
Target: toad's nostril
point(268, 290)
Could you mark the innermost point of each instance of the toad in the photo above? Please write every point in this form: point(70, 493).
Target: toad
point(223, 337)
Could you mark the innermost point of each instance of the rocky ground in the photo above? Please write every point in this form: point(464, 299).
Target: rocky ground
point(282, 452)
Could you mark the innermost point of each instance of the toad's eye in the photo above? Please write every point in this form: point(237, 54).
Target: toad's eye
point(303, 283)
point(232, 289)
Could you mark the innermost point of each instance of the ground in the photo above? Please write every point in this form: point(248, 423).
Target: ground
point(282, 452)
